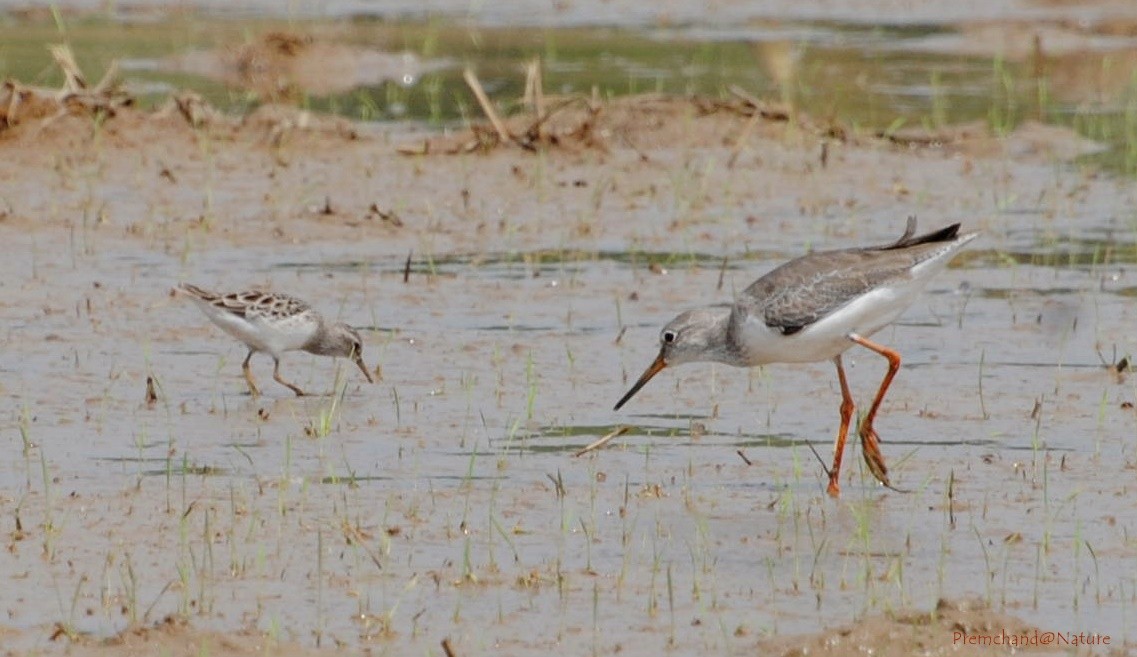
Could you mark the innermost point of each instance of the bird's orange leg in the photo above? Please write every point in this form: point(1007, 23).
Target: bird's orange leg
point(870, 442)
point(847, 408)
point(248, 371)
point(279, 379)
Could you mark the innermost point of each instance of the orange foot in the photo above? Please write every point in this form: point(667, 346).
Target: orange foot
point(870, 450)
point(834, 489)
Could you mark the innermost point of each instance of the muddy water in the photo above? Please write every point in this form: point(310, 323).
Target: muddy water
point(444, 501)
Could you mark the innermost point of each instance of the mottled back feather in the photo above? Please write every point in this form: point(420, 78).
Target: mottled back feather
point(252, 304)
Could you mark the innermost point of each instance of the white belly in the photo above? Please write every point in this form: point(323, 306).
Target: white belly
point(262, 334)
point(828, 337)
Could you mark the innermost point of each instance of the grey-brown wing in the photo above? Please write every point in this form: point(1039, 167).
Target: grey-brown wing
point(804, 290)
point(807, 289)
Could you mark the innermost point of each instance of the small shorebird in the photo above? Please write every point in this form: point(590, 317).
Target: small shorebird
point(814, 308)
point(276, 323)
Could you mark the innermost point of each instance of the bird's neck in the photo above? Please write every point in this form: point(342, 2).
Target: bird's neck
point(729, 348)
point(323, 342)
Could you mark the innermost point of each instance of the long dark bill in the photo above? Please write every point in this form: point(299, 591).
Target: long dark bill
point(363, 368)
point(653, 369)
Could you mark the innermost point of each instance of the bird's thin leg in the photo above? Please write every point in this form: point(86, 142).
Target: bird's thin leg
point(281, 381)
point(870, 442)
point(847, 408)
point(249, 375)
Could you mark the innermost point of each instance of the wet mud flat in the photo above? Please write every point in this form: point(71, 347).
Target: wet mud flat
point(443, 504)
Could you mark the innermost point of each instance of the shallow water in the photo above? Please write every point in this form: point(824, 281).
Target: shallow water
point(456, 468)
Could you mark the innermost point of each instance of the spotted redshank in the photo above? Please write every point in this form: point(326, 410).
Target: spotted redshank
point(814, 308)
point(276, 323)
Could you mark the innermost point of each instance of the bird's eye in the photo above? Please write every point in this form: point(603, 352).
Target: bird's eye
point(668, 337)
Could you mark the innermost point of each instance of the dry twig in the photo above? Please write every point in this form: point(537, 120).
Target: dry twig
point(597, 444)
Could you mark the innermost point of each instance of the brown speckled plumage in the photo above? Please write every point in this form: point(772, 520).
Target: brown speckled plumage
point(275, 323)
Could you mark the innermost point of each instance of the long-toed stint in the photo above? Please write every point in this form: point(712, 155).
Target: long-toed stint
point(276, 323)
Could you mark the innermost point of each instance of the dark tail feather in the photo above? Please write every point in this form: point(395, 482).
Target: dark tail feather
point(909, 238)
point(198, 292)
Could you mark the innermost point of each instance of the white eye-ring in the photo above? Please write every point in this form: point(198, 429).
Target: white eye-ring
point(668, 336)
